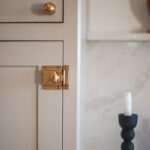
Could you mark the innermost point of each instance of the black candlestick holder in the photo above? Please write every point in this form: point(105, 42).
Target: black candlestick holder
point(128, 123)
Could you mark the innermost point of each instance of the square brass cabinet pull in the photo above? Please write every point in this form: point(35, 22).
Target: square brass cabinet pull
point(55, 77)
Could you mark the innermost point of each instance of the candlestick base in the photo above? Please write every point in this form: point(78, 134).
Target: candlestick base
point(128, 123)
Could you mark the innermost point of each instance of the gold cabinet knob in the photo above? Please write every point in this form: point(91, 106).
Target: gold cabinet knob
point(49, 8)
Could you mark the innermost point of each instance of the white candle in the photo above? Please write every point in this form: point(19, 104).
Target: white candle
point(128, 104)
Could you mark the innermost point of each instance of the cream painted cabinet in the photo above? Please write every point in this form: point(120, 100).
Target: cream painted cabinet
point(32, 118)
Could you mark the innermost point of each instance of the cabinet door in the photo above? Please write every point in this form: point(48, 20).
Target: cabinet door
point(30, 117)
point(29, 11)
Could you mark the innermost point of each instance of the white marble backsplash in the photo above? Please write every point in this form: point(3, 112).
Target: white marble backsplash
point(112, 69)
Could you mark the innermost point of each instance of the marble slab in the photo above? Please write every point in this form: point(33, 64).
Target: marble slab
point(112, 69)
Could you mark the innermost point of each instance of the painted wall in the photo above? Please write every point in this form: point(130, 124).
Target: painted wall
point(118, 16)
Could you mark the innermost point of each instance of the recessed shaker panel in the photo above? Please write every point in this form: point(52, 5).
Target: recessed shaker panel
point(31, 11)
point(18, 100)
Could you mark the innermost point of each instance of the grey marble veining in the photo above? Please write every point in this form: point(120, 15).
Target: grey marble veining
point(112, 69)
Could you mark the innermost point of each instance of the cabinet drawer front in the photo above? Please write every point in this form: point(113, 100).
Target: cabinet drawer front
point(30, 11)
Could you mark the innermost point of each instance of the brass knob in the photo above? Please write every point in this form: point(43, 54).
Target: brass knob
point(49, 8)
point(54, 77)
